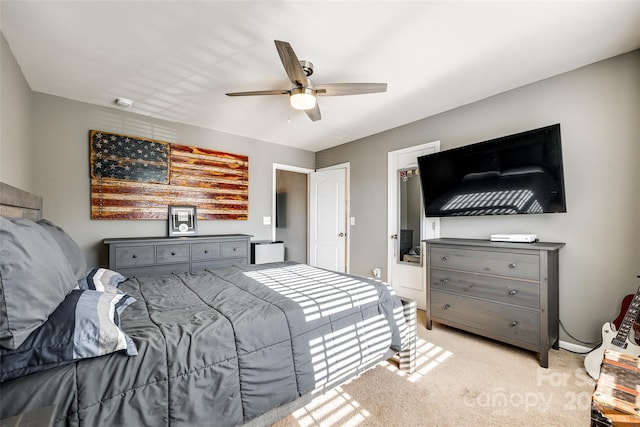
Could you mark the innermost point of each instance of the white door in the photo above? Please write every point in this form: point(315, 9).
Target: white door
point(328, 219)
point(405, 251)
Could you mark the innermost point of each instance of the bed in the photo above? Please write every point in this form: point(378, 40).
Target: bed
point(240, 345)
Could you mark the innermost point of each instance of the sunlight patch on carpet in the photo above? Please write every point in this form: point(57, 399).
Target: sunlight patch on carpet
point(337, 408)
point(334, 408)
point(428, 357)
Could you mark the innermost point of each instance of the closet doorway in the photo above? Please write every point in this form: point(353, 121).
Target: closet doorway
point(291, 210)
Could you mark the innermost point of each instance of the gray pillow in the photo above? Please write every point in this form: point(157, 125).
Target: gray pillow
point(35, 277)
point(69, 247)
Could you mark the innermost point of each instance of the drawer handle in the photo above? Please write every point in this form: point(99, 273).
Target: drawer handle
point(235, 249)
point(444, 281)
point(446, 306)
point(134, 256)
point(513, 324)
point(513, 292)
point(173, 254)
point(206, 251)
point(445, 258)
point(512, 265)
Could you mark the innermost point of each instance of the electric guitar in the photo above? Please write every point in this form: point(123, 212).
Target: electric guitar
point(615, 340)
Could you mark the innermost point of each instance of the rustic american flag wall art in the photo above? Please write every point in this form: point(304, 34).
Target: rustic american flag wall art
point(138, 178)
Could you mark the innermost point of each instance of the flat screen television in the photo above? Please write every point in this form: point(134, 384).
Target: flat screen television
point(515, 174)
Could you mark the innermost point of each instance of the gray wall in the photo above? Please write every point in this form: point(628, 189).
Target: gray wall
point(598, 107)
point(16, 141)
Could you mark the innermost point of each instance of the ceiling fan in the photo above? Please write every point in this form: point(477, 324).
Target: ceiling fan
point(302, 95)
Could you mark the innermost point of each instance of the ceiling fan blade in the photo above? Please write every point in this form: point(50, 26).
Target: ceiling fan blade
point(314, 113)
point(291, 64)
point(260, 92)
point(339, 89)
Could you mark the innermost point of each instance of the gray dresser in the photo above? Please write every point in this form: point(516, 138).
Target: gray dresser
point(504, 291)
point(150, 256)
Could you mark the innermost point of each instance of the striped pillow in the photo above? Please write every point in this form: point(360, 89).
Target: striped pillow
point(86, 324)
point(97, 278)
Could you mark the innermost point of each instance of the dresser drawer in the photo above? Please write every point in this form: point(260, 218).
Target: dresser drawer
point(130, 256)
point(234, 249)
point(155, 270)
point(204, 265)
point(525, 294)
point(512, 323)
point(517, 265)
point(201, 251)
point(167, 254)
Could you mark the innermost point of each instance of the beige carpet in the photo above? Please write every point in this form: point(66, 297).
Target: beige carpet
point(461, 380)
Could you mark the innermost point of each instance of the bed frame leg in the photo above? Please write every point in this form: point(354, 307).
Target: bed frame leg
point(408, 353)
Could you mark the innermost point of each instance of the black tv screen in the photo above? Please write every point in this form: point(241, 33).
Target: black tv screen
point(515, 174)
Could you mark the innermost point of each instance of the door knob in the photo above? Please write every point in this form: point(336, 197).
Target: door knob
point(341, 235)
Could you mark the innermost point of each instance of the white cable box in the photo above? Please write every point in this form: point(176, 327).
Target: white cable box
point(521, 238)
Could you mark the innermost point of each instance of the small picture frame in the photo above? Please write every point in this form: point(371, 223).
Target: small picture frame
point(182, 221)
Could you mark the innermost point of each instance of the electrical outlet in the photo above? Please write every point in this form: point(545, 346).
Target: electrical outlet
point(266, 220)
point(376, 273)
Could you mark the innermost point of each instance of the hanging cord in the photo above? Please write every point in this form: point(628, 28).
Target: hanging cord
point(595, 344)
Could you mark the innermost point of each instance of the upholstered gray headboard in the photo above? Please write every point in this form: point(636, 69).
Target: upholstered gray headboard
point(19, 203)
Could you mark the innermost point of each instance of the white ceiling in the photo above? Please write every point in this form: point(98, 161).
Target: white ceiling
point(176, 59)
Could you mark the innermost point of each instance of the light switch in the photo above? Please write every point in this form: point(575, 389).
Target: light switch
point(353, 220)
point(266, 220)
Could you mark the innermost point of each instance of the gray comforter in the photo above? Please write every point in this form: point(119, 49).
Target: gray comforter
point(220, 348)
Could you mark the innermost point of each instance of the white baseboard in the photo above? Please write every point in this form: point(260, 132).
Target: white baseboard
point(576, 348)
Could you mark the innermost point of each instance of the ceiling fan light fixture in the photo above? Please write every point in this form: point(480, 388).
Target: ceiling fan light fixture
point(302, 98)
point(303, 92)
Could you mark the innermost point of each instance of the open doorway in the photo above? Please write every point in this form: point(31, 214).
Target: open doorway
point(291, 215)
point(407, 224)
